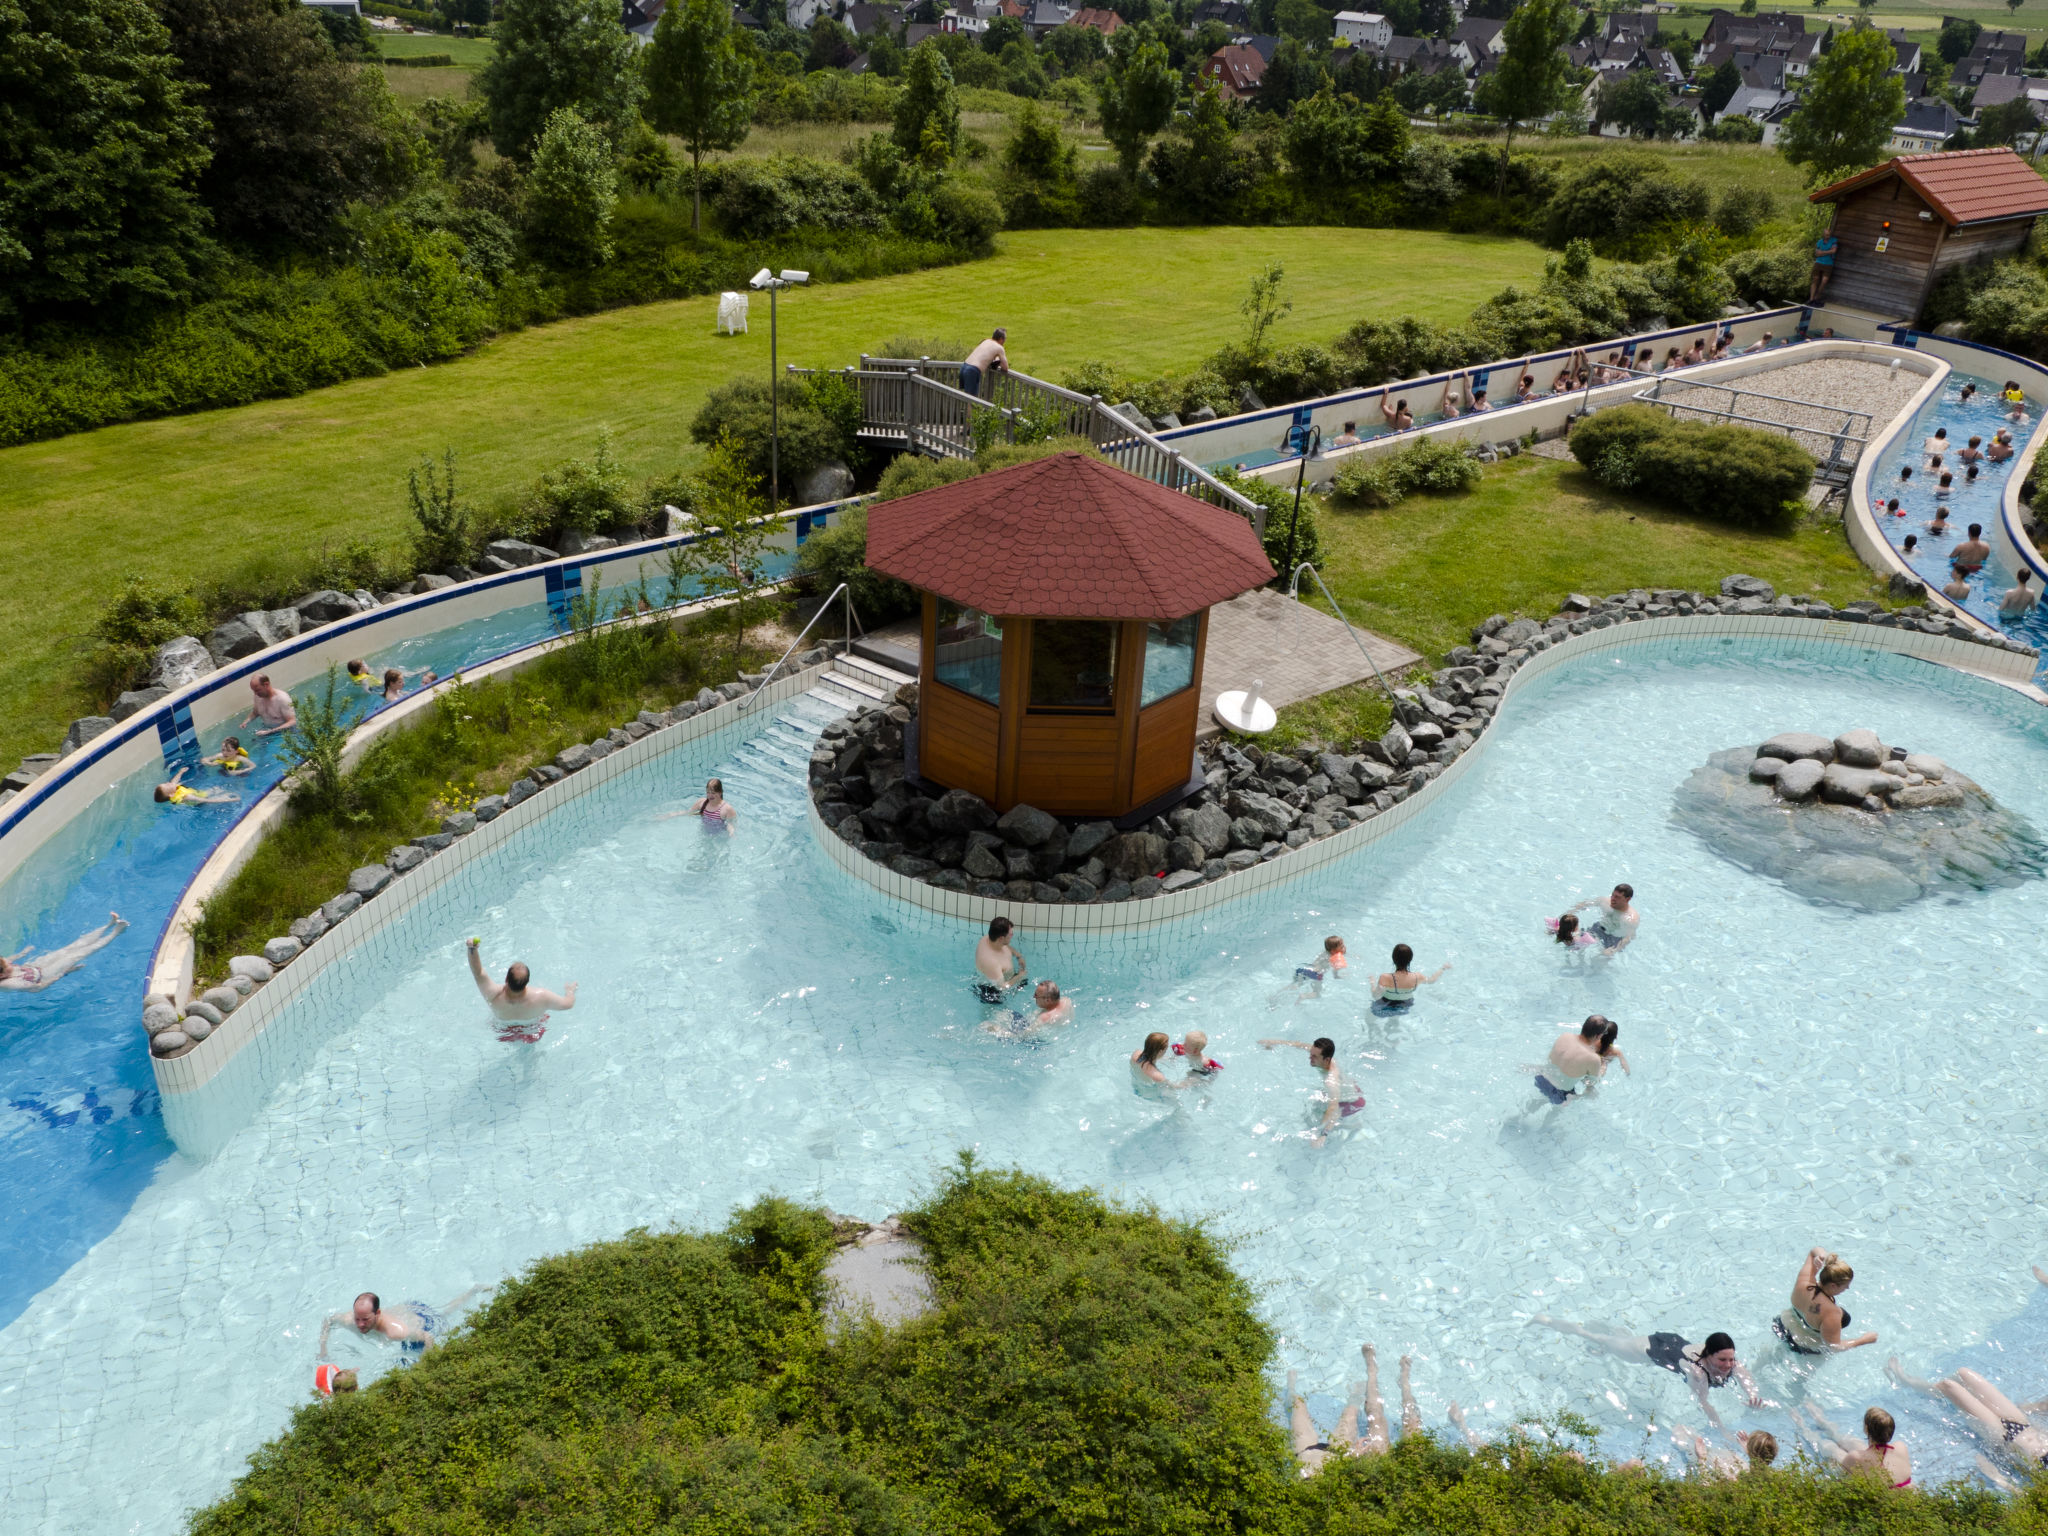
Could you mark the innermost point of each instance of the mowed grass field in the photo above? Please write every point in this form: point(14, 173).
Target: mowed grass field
point(190, 496)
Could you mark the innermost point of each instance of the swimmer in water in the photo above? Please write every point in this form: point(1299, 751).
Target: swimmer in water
point(1147, 1081)
point(1616, 923)
point(232, 759)
point(711, 808)
point(1760, 1445)
point(359, 673)
point(1053, 1010)
point(1311, 974)
point(1000, 963)
point(1700, 1366)
point(330, 1379)
point(1813, 1324)
point(520, 1008)
point(1879, 1455)
point(1911, 545)
point(173, 791)
point(413, 1326)
point(1342, 1097)
point(2006, 1425)
point(1202, 1068)
point(1565, 930)
point(394, 681)
point(18, 973)
point(1575, 1064)
point(2000, 448)
point(1394, 991)
point(1314, 1452)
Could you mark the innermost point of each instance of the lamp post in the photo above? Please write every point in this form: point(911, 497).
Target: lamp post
point(1309, 449)
point(775, 283)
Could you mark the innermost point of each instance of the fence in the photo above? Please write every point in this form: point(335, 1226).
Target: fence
point(1834, 437)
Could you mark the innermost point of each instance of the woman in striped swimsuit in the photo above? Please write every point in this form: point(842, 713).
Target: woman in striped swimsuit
point(20, 974)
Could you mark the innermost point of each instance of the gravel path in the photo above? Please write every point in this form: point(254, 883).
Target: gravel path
point(1836, 384)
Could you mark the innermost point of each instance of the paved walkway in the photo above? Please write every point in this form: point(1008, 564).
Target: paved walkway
point(1295, 650)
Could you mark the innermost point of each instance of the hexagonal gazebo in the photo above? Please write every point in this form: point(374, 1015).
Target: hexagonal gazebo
point(1065, 614)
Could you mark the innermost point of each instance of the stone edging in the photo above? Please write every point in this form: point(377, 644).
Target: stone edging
point(228, 1016)
point(1935, 640)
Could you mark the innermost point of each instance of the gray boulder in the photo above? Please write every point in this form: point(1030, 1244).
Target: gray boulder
point(1026, 826)
point(310, 927)
point(369, 880)
point(169, 1042)
point(339, 907)
point(706, 699)
point(255, 967)
point(158, 1017)
point(1918, 797)
point(282, 951)
point(492, 565)
point(431, 581)
point(84, 730)
point(200, 1008)
point(1180, 880)
point(518, 553)
point(1247, 832)
point(1765, 770)
point(983, 864)
point(1841, 784)
point(234, 640)
point(1136, 855)
point(180, 662)
point(574, 543)
point(1184, 853)
point(957, 812)
point(490, 808)
point(1902, 585)
point(405, 857)
point(1748, 586)
point(1518, 632)
point(1396, 744)
point(223, 1000)
point(830, 481)
point(136, 700)
point(324, 607)
point(521, 790)
point(1275, 816)
point(1860, 749)
point(434, 842)
point(573, 759)
point(1208, 825)
point(1089, 837)
point(1800, 778)
point(1854, 879)
point(1791, 745)
point(1930, 768)
point(461, 824)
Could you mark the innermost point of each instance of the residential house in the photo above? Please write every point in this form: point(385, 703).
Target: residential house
point(1362, 29)
point(1929, 124)
point(872, 21)
point(917, 32)
point(1263, 43)
point(1108, 23)
point(1236, 70)
point(1426, 56)
point(1907, 50)
point(1915, 83)
point(1997, 90)
point(1234, 14)
point(1629, 26)
point(1046, 16)
point(1482, 35)
point(637, 17)
point(1994, 53)
point(969, 20)
point(801, 13)
point(1777, 35)
point(1774, 121)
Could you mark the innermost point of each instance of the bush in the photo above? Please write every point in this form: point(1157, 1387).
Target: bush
point(1106, 196)
point(1278, 500)
point(1739, 475)
point(839, 554)
point(753, 198)
point(585, 495)
point(967, 216)
point(1735, 130)
point(1382, 351)
point(1775, 276)
point(1387, 479)
point(1741, 210)
point(819, 416)
point(1624, 203)
point(2004, 303)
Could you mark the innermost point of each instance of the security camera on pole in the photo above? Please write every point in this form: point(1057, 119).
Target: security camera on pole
point(774, 284)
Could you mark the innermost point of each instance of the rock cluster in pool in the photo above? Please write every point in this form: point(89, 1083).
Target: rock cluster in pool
point(1850, 820)
point(1255, 805)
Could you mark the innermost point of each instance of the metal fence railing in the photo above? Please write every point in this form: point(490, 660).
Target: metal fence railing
point(1832, 434)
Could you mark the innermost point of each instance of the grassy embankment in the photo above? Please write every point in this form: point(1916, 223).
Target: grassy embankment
point(200, 496)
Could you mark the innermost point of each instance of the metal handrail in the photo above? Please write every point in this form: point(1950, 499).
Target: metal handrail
point(1177, 465)
point(1294, 591)
point(775, 671)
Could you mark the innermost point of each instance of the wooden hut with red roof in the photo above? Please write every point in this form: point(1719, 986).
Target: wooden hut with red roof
point(1065, 615)
point(1903, 223)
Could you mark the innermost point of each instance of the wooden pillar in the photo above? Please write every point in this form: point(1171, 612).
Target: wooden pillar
point(1016, 685)
point(1130, 669)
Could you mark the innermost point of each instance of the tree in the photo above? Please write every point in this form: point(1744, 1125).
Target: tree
point(553, 54)
point(1721, 87)
point(2014, 5)
point(1138, 97)
point(1293, 76)
point(700, 85)
point(885, 56)
point(1636, 102)
point(1434, 93)
point(1202, 175)
point(831, 46)
point(442, 535)
point(728, 557)
point(297, 133)
point(1958, 37)
point(1262, 309)
point(100, 147)
point(928, 112)
point(1304, 20)
point(2006, 123)
point(1529, 81)
point(1003, 31)
point(1330, 141)
point(571, 192)
point(1852, 102)
point(1077, 48)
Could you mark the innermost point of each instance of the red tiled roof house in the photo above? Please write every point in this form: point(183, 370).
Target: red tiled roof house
point(1065, 614)
point(1236, 70)
point(1901, 224)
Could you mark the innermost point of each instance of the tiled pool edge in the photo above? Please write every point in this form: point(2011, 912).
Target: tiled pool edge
point(232, 1049)
point(2007, 668)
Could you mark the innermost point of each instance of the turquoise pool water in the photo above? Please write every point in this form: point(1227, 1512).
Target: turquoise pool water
point(751, 1020)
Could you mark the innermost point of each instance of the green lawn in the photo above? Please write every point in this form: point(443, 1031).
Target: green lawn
point(1720, 166)
point(469, 52)
point(413, 86)
point(203, 494)
point(1425, 572)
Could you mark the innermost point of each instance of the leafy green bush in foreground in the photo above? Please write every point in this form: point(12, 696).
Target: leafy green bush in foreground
point(1087, 1369)
point(1428, 464)
point(1739, 475)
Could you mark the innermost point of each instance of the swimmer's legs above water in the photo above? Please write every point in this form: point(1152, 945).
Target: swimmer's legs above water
point(19, 973)
point(1310, 1449)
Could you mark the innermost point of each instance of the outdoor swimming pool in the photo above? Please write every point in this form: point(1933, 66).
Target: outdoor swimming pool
point(81, 1130)
point(751, 1020)
point(1982, 416)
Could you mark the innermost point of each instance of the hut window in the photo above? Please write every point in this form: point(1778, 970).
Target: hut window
point(1073, 664)
point(1169, 657)
point(970, 651)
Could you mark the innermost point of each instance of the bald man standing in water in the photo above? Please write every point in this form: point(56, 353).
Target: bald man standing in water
point(520, 1008)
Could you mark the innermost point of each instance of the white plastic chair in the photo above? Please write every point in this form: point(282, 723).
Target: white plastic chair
point(732, 313)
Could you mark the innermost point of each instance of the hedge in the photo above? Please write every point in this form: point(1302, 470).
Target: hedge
point(1088, 1368)
point(1739, 475)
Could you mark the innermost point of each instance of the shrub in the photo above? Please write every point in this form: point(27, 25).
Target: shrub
point(441, 535)
point(585, 495)
point(1297, 373)
point(839, 554)
point(1739, 475)
point(1106, 196)
point(1387, 479)
point(967, 216)
point(1774, 276)
point(1735, 130)
point(1381, 351)
point(1279, 502)
point(1623, 203)
point(2004, 303)
point(1741, 210)
point(752, 198)
point(819, 416)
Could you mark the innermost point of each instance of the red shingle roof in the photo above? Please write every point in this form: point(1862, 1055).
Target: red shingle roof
point(1966, 186)
point(1067, 537)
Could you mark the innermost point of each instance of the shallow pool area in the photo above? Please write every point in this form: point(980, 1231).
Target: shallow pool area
point(750, 1020)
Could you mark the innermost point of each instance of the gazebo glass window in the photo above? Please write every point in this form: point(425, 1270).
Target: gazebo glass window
point(1073, 664)
point(1169, 658)
point(970, 651)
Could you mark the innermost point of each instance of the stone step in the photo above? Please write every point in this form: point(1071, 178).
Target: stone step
point(869, 690)
point(895, 662)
